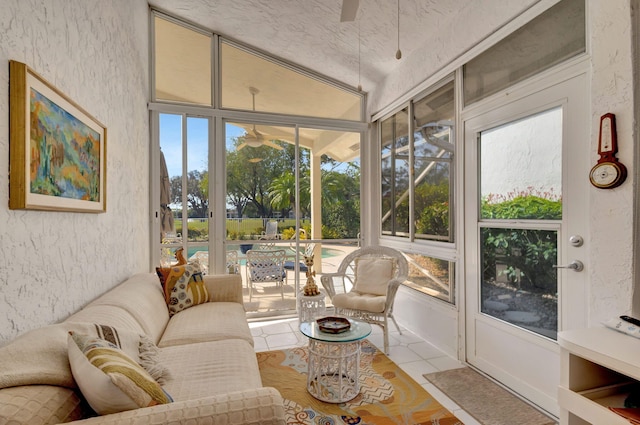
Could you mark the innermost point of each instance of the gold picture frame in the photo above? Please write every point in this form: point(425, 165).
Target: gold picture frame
point(57, 151)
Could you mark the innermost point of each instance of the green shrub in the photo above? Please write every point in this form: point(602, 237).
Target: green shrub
point(527, 254)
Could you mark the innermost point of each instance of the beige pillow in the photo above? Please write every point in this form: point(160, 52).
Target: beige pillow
point(373, 275)
point(109, 379)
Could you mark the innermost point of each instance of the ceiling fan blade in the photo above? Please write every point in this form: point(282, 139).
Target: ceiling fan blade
point(349, 10)
point(254, 160)
point(271, 144)
point(256, 134)
point(240, 146)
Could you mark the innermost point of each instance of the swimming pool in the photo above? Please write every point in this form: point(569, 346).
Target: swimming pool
point(326, 252)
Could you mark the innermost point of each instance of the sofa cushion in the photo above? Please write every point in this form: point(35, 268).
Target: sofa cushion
point(40, 357)
point(373, 274)
point(141, 296)
point(109, 379)
point(210, 368)
point(41, 405)
point(213, 321)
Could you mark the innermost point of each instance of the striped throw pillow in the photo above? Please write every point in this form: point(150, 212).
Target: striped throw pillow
point(109, 379)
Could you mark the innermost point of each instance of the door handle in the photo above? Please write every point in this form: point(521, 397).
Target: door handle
point(575, 265)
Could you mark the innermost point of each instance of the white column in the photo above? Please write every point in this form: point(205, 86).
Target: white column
point(316, 209)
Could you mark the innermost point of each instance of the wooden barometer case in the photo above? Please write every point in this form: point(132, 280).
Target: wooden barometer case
point(608, 171)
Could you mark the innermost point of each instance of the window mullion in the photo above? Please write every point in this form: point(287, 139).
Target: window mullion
point(410, 126)
point(185, 190)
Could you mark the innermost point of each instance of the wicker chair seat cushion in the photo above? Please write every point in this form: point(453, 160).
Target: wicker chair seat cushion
point(358, 301)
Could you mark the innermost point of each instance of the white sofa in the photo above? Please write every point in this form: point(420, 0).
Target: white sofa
point(207, 349)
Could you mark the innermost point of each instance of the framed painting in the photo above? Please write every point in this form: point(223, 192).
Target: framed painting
point(57, 152)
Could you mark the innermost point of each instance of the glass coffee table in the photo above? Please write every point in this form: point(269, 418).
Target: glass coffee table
point(334, 359)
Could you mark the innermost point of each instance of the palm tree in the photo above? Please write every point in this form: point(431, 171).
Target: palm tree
point(283, 190)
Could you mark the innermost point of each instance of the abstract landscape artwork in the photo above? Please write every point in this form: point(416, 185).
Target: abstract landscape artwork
point(57, 152)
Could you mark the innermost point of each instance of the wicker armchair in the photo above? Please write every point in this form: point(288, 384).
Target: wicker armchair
point(366, 284)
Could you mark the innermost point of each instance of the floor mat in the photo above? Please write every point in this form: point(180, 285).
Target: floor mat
point(486, 401)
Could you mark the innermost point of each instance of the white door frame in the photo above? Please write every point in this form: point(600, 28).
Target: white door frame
point(569, 90)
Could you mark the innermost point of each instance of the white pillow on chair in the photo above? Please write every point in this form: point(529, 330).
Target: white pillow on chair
point(373, 275)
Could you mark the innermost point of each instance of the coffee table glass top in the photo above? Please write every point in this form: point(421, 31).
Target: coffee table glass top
point(358, 330)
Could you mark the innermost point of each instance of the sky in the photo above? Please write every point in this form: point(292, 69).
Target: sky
point(197, 142)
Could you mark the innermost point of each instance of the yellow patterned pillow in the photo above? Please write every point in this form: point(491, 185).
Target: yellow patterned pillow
point(183, 287)
point(109, 379)
point(168, 278)
point(188, 291)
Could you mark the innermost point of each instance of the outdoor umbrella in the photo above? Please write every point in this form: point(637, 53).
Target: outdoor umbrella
point(166, 216)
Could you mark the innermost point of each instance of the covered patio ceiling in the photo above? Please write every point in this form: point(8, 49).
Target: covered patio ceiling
point(339, 145)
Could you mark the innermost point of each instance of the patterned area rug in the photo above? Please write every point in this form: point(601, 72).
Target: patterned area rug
point(387, 394)
point(488, 402)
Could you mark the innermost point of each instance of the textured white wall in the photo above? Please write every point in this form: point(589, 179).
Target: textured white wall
point(52, 263)
point(611, 225)
point(450, 42)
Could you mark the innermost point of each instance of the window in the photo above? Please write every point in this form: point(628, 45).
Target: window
point(281, 89)
point(433, 123)
point(283, 165)
point(431, 276)
point(553, 37)
point(182, 62)
point(417, 188)
point(395, 174)
point(417, 183)
point(184, 144)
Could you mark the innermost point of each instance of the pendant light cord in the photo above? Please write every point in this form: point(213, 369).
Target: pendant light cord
point(398, 52)
point(359, 42)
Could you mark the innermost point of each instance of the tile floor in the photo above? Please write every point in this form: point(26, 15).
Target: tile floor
point(414, 355)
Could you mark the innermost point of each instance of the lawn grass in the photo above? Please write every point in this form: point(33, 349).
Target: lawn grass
point(235, 227)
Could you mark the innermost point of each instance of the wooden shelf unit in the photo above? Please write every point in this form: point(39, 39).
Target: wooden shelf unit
point(599, 368)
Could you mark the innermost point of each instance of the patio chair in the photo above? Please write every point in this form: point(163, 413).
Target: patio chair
point(373, 274)
point(270, 231)
point(233, 265)
point(290, 265)
point(264, 266)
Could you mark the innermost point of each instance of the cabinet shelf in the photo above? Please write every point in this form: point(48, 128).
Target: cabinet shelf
point(600, 368)
point(610, 395)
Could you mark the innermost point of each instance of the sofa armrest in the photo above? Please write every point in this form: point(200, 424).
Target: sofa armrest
point(260, 406)
point(224, 287)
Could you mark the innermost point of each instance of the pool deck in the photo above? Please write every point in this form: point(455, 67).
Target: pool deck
point(266, 299)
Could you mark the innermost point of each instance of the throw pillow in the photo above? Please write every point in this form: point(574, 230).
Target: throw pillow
point(189, 290)
point(110, 380)
point(168, 277)
point(183, 287)
point(373, 275)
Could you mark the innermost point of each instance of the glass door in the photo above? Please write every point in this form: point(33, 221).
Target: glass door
point(293, 189)
point(526, 164)
point(184, 194)
point(520, 219)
